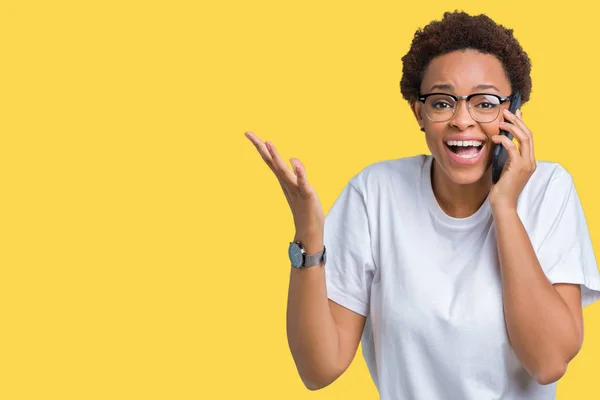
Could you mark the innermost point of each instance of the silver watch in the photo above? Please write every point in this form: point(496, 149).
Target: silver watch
point(300, 259)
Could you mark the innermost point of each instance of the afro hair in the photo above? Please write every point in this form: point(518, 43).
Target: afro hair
point(461, 31)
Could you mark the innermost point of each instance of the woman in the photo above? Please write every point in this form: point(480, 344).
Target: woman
point(459, 288)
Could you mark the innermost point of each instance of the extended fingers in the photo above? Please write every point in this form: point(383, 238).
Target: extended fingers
point(271, 157)
point(262, 150)
point(280, 165)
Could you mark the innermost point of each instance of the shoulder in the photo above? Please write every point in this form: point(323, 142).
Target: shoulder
point(547, 171)
point(397, 174)
point(549, 176)
point(548, 189)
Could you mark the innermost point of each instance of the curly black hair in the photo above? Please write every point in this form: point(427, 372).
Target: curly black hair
point(461, 31)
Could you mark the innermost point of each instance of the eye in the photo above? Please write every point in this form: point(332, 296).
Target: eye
point(486, 105)
point(485, 102)
point(441, 105)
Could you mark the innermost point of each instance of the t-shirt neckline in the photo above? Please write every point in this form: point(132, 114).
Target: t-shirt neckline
point(427, 190)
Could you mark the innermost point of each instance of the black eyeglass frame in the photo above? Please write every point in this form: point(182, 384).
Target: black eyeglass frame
point(502, 99)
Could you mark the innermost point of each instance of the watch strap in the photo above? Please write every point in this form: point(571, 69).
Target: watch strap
point(311, 260)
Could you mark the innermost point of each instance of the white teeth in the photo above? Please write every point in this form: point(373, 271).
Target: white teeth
point(465, 156)
point(464, 143)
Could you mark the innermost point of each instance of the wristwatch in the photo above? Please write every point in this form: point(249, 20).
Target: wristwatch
point(300, 259)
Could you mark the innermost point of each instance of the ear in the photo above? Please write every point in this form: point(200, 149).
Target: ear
point(417, 109)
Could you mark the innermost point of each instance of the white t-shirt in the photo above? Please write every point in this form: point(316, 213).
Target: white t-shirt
point(430, 284)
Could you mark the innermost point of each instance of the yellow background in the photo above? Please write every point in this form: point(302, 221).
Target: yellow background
point(143, 247)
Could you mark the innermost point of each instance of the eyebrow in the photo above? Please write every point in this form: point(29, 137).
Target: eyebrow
point(450, 87)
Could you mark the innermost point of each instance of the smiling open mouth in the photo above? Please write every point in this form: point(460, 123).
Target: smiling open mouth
point(465, 149)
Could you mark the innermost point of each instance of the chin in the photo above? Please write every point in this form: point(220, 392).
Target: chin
point(468, 174)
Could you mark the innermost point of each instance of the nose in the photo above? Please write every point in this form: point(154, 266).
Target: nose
point(462, 118)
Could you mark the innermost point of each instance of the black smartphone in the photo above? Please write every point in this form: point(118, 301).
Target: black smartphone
point(500, 153)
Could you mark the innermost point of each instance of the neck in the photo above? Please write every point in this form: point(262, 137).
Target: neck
point(459, 201)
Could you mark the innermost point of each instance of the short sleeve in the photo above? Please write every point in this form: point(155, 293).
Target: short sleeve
point(350, 268)
point(566, 253)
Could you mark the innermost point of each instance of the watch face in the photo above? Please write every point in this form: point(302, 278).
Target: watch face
point(295, 253)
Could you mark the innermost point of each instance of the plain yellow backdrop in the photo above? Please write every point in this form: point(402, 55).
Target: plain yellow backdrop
point(143, 242)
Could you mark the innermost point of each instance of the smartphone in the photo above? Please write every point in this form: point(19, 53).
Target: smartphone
point(500, 154)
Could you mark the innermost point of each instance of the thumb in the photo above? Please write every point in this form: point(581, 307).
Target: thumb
point(300, 172)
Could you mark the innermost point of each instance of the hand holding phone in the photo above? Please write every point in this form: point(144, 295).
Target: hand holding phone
point(500, 153)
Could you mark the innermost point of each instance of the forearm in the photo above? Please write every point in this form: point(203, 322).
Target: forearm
point(540, 326)
point(312, 333)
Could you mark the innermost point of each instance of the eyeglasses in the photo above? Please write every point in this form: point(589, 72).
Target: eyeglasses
point(483, 107)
